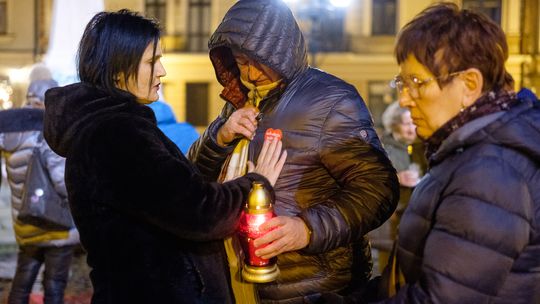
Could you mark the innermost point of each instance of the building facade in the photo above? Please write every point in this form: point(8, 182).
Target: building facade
point(354, 43)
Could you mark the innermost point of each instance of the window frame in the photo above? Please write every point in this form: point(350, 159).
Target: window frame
point(5, 21)
point(198, 35)
point(390, 26)
point(157, 9)
point(482, 8)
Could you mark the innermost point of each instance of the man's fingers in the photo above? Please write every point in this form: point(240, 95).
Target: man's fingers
point(273, 249)
point(271, 223)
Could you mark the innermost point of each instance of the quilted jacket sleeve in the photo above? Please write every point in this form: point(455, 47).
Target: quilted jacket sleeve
point(206, 154)
point(55, 165)
point(350, 151)
point(149, 182)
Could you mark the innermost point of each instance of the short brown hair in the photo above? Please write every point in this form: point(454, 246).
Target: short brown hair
point(447, 39)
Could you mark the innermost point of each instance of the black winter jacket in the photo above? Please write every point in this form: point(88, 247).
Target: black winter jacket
point(471, 233)
point(149, 222)
point(337, 177)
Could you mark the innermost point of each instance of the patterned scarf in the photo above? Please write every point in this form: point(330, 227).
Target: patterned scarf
point(491, 102)
point(244, 292)
point(238, 162)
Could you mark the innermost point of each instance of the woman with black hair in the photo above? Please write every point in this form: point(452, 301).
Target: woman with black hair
point(151, 224)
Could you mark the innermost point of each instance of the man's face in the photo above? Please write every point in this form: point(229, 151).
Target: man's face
point(251, 71)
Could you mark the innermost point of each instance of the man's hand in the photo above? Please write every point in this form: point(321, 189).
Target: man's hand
point(242, 122)
point(285, 234)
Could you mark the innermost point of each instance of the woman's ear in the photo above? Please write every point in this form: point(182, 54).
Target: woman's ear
point(120, 82)
point(474, 84)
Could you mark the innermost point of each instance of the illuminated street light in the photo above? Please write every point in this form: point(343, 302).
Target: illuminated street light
point(5, 95)
point(340, 3)
point(19, 75)
point(325, 24)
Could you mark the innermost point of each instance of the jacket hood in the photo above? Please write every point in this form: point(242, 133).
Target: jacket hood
point(70, 109)
point(266, 31)
point(517, 129)
point(163, 112)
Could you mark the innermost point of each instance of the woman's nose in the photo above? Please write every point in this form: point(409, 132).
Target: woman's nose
point(161, 70)
point(405, 100)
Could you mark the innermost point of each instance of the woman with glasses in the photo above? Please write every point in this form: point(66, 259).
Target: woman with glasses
point(471, 232)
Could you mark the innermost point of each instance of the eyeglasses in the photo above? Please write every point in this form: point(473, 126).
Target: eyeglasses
point(413, 83)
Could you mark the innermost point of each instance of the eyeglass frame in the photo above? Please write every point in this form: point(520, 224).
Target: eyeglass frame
point(399, 84)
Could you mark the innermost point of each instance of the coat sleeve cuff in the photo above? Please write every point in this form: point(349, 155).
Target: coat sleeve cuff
point(212, 138)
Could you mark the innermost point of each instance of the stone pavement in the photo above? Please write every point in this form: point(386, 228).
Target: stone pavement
point(78, 290)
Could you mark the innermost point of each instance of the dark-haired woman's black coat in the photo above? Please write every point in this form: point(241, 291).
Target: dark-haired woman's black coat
point(150, 224)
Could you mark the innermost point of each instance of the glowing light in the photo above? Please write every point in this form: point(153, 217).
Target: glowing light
point(5, 95)
point(18, 75)
point(340, 3)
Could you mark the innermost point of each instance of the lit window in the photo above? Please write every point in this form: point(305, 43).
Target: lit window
point(157, 9)
point(383, 17)
point(3, 17)
point(491, 8)
point(198, 25)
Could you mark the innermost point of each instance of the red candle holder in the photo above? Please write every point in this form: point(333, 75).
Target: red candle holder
point(257, 211)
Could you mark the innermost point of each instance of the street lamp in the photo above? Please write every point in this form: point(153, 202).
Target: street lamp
point(340, 3)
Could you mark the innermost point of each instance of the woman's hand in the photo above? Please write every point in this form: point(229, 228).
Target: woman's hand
point(408, 178)
point(270, 161)
point(242, 122)
point(284, 234)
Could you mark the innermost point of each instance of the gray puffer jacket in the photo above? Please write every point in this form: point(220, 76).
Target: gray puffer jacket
point(20, 132)
point(337, 177)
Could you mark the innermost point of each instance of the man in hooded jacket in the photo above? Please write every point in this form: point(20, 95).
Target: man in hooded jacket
point(337, 183)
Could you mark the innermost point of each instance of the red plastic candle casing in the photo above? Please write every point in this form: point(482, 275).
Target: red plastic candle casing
point(257, 211)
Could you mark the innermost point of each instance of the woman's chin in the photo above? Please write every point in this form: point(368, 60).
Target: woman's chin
point(148, 100)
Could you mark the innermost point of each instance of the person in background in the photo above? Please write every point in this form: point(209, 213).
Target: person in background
point(182, 134)
point(471, 233)
point(337, 184)
point(20, 133)
point(407, 156)
point(525, 93)
point(151, 224)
